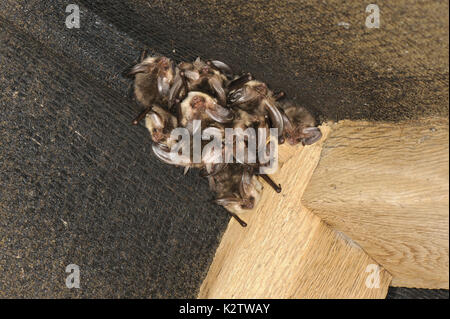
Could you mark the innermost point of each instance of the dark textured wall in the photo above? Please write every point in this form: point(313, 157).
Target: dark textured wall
point(78, 182)
point(395, 72)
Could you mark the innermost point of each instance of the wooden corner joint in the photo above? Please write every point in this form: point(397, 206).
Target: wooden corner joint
point(288, 252)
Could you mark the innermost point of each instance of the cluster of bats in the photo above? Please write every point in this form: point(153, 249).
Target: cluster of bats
point(175, 95)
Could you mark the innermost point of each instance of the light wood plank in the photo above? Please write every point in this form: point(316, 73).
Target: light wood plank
point(386, 186)
point(286, 251)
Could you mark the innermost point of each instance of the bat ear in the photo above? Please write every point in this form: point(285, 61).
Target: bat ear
point(169, 157)
point(220, 114)
point(175, 90)
point(163, 85)
point(240, 81)
point(246, 184)
point(276, 118)
point(228, 201)
point(219, 90)
point(287, 125)
point(222, 67)
point(313, 134)
point(157, 120)
point(138, 68)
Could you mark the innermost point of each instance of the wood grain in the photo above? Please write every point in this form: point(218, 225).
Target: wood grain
point(286, 251)
point(386, 186)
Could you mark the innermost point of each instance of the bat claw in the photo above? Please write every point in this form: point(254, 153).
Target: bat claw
point(277, 188)
point(141, 116)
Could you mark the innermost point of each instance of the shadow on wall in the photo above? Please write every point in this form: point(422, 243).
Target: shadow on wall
point(321, 54)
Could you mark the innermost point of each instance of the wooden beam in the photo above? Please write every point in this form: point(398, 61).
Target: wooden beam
point(386, 186)
point(286, 251)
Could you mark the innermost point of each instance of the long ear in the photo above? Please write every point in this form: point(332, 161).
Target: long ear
point(222, 67)
point(276, 118)
point(243, 96)
point(219, 114)
point(175, 90)
point(170, 157)
point(163, 85)
point(220, 92)
point(313, 134)
point(157, 120)
point(138, 68)
point(228, 201)
point(239, 82)
point(287, 124)
point(245, 186)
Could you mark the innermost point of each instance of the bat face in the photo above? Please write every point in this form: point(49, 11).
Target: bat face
point(160, 124)
point(299, 126)
point(237, 188)
point(206, 77)
point(254, 96)
point(153, 78)
point(200, 106)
